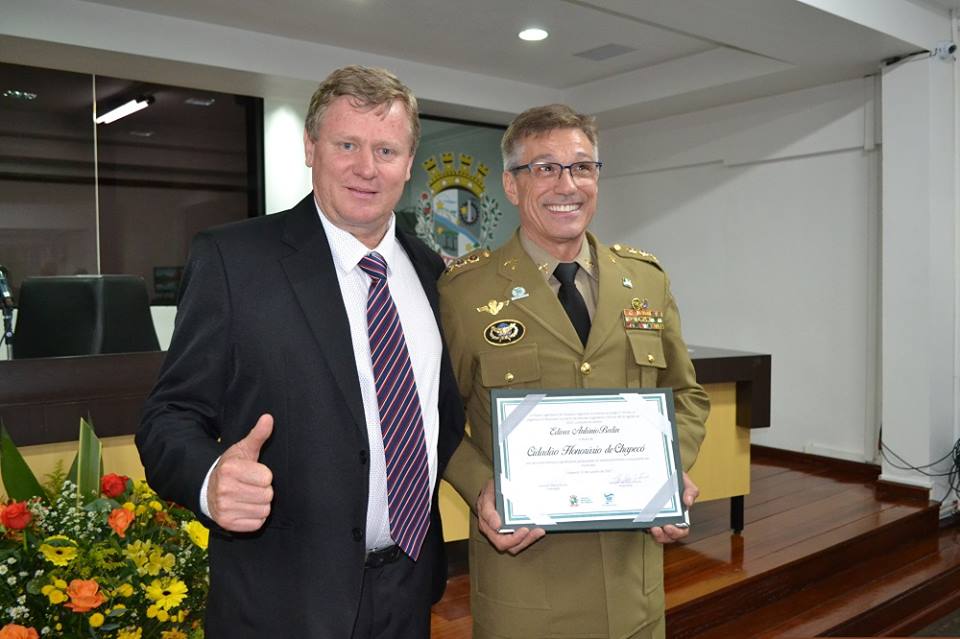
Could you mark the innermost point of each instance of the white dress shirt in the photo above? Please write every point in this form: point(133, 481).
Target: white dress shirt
point(423, 343)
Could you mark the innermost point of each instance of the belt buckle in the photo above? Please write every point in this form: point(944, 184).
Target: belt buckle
point(382, 556)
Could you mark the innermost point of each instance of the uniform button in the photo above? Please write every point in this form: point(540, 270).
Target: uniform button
point(585, 368)
point(357, 534)
point(651, 358)
point(508, 377)
point(363, 457)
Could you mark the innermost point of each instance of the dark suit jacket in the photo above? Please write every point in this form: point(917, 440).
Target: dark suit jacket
point(261, 327)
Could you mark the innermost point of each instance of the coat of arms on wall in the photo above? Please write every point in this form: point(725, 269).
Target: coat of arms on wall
point(456, 216)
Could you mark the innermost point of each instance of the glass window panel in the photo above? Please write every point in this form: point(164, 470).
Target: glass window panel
point(47, 193)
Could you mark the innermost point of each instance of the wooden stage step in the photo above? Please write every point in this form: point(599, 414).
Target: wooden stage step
point(825, 552)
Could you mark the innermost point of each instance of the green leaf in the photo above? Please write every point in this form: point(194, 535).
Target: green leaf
point(88, 464)
point(72, 473)
point(18, 480)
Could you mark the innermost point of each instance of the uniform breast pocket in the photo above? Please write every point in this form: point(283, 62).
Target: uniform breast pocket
point(513, 366)
point(645, 359)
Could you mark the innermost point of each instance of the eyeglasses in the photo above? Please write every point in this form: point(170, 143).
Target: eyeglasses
point(579, 171)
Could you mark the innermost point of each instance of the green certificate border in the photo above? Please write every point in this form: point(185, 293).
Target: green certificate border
point(674, 512)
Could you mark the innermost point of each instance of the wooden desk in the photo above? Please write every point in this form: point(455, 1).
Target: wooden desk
point(42, 401)
point(739, 387)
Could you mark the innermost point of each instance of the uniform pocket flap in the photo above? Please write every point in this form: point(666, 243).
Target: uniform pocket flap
point(647, 348)
point(513, 365)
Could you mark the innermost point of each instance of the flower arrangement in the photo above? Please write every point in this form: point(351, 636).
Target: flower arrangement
point(91, 556)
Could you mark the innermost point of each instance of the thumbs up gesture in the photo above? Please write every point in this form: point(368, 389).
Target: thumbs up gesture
point(241, 488)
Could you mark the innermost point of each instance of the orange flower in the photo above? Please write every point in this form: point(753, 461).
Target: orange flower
point(163, 519)
point(120, 519)
point(84, 595)
point(16, 516)
point(13, 631)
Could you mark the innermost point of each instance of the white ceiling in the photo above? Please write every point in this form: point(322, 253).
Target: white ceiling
point(480, 36)
point(687, 54)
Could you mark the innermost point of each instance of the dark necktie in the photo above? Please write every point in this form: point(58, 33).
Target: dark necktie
point(401, 422)
point(571, 300)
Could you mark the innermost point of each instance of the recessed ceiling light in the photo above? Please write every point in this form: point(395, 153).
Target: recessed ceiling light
point(16, 94)
point(533, 34)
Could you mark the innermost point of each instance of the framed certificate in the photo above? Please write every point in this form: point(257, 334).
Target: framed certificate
point(592, 459)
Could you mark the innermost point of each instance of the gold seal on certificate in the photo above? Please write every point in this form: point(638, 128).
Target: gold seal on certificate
point(591, 459)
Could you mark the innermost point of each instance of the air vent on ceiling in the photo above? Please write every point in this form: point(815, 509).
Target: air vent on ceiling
point(604, 52)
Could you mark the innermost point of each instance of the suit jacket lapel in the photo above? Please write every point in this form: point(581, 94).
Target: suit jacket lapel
point(540, 304)
point(611, 286)
point(313, 277)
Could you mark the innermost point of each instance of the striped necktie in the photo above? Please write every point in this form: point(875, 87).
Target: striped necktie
point(401, 422)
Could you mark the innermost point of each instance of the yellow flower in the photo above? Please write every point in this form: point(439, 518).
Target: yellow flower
point(158, 613)
point(142, 489)
point(55, 591)
point(139, 552)
point(96, 620)
point(123, 590)
point(173, 634)
point(59, 550)
point(130, 633)
point(199, 534)
point(159, 561)
point(156, 505)
point(166, 593)
point(128, 506)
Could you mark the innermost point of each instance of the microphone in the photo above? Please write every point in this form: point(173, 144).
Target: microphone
point(6, 299)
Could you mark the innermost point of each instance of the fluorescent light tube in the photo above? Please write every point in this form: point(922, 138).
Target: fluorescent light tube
point(124, 110)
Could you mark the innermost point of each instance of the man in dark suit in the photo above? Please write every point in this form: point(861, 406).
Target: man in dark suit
point(300, 336)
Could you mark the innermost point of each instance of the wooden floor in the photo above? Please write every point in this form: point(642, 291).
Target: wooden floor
point(824, 552)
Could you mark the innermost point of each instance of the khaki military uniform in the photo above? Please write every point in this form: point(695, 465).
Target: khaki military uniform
point(571, 585)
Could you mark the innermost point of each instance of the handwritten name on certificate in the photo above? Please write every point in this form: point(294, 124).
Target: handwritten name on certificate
point(586, 459)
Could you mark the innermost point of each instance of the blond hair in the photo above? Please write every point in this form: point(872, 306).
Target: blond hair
point(366, 87)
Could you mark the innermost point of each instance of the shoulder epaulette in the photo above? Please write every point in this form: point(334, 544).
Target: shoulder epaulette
point(470, 260)
point(636, 254)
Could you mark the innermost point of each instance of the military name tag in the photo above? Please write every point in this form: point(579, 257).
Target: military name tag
point(643, 319)
point(504, 332)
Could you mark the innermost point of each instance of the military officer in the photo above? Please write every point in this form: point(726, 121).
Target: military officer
point(548, 310)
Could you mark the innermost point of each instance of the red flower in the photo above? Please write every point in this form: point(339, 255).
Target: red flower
point(113, 485)
point(16, 516)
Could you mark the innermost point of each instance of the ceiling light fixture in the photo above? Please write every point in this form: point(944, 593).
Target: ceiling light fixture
point(533, 34)
point(122, 111)
point(203, 102)
point(16, 94)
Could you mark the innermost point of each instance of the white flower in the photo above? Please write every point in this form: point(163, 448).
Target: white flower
point(12, 581)
point(11, 560)
point(3, 569)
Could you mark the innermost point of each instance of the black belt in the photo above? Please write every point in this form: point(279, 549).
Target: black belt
point(382, 557)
